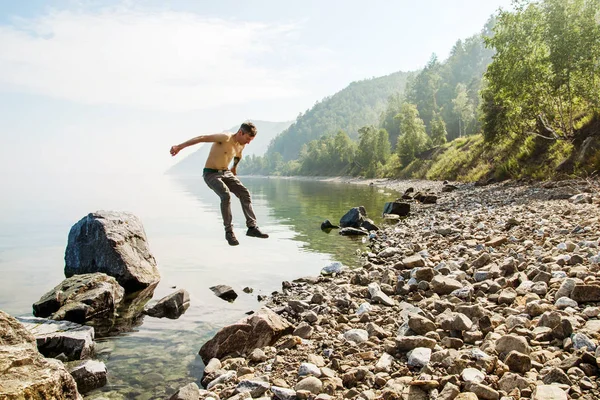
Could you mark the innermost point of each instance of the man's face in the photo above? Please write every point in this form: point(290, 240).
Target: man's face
point(245, 138)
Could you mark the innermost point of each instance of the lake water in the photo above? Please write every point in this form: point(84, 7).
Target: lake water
point(183, 224)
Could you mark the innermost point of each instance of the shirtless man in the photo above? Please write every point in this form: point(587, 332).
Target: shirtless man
point(227, 147)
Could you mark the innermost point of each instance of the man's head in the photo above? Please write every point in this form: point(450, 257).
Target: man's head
point(246, 133)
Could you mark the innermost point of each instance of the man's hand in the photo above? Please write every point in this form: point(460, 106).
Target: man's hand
point(234, 170)
point(174, 150)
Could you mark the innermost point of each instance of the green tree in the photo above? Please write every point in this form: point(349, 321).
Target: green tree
point(438, 131)
point(413, 138)
point(546, 71)
point(373, 150)
point(463, 108)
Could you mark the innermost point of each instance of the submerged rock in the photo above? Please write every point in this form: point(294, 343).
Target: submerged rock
point(113, 243)
point(88, 375)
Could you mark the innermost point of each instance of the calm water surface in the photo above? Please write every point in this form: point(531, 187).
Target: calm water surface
point(183, 224)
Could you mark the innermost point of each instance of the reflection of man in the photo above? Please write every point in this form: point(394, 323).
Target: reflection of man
point(227, 147)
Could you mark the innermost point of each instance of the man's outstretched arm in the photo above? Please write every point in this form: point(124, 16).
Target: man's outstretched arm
point(215, 137)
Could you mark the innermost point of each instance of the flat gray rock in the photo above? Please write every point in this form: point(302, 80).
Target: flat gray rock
point(53, 338)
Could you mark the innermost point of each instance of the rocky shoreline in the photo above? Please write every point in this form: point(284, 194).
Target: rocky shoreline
point(491, 293)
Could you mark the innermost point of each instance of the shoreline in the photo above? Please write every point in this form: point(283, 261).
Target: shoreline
point(398, 348)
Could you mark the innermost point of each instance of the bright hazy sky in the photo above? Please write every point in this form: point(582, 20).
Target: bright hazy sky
point(109, 86)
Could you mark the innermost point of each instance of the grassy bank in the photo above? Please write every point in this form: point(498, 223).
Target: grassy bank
point(471, 159)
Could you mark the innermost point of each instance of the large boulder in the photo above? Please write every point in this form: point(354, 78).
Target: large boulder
point(54, 338)
point(80, 298)
point(26, 374)
point(114, 243)
point(256, 331)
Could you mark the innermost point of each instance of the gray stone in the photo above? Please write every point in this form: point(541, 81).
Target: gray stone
point(283, 393)
point(378, 296)
point(444, 285)
point(510, 381)
point(472, 375)
point(356, 335)
point(565, 302)
point(414, 261)
point(80, 298)
point(420, 325)
point(586, 293)
point(482, 391)
point(508, 343)
point(191, 391)
point(224, 378)
point(312, 384)
point(171, 306)
point(407, 343)
point(53, 338)
point(549, 392)
point(419, 357)
point(581, 341)
point(309, 369)
point(255, 388)
point(26, 374)
point(224, 292)
point(114, 243)
point(89, 375)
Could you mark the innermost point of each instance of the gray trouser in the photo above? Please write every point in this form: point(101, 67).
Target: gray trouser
point(223, 184)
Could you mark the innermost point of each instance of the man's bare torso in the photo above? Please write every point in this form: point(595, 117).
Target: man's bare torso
point(223, 151)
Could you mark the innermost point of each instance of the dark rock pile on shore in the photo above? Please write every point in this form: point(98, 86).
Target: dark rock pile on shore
point(491, 293)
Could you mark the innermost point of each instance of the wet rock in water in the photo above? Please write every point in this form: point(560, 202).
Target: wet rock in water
point(26, 374)
point(191, 391)
point(425, 198)
point(80, 298)
point(335, 267)
point(369, 225)
point(171, 306)
point(113, 243)
point(224, 292)
point(129, 314)
point(396, 208)
point(259, 330)
point(88, 375)
point(353, 218)
point(54, 338)
point(325, 225)
point(353, 232)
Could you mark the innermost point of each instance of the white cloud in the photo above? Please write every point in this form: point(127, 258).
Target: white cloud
point(172, 61)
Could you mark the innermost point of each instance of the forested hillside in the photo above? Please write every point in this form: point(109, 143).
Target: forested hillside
point(526, 89)
point(360, 104)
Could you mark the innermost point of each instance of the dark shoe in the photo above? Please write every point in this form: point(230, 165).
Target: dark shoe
point(255, 232)
point(230, 236)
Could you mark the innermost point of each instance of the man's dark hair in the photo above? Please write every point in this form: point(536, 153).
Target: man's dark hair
point(249, 128)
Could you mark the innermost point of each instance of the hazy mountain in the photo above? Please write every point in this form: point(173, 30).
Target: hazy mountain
point(193, 163)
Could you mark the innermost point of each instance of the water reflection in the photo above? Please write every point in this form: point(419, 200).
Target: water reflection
point(303, 205)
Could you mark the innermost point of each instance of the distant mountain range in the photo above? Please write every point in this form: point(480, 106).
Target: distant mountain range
point(194, 162)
